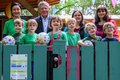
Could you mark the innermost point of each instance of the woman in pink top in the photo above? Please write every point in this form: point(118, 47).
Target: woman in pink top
point(102, 17)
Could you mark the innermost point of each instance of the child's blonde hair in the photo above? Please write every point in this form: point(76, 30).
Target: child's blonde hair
point(56, 17)
point(31, 21)
point(70, 19)
point(89, 25)
point(18, 21)
point(108, 24)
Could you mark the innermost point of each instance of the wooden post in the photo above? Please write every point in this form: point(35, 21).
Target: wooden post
point(28, 7)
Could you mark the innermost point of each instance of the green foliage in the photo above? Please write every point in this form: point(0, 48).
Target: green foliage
point(84, 5)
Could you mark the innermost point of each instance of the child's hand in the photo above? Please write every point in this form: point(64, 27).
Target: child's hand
point(81, 43)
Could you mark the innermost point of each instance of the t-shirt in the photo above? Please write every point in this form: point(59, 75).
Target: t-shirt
point(9, 27)
point(62, 34)
point(73, 38)
point(18, 37)
point(97, 38)
point(109, 39)
point(29, 39)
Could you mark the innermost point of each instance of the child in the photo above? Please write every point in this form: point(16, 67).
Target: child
point(108, 29)
point(72, 36)
point(18, 24)
point(30, 37)
point(56, 33)
point(90, 29)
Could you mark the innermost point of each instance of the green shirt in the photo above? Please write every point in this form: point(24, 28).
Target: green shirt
point(63, 36)
point(73, 38)
point(18, 37)
point(29, 39)
point(97, 38)
point(9, 27)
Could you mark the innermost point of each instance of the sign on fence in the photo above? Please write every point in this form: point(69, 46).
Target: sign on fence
point(18, 66)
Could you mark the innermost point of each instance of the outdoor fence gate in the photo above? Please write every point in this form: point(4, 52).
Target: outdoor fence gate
point(99, 62)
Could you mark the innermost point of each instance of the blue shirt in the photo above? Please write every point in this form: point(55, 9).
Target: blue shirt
point(109, 39)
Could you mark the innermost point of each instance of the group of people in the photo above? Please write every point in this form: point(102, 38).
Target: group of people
point(75, 32)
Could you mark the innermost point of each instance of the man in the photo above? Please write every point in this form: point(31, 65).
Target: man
point(44, 18)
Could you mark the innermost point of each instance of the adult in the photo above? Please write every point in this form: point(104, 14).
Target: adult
point(44, 18)
point(79, 23)
point(9, 25)
point(102, 17)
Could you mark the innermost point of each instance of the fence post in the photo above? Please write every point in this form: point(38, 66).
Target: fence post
point(59, 47)
point(73, 63)
point(87, 63)
point(7, 51)
point(114, 48)
point(40, 62)
point(0, 60)
point(101, 61)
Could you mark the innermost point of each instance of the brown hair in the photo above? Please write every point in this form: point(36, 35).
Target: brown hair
point(108, 24)
point(55, 17)
point(106, 17)
point(15, 4)
point(81, 22)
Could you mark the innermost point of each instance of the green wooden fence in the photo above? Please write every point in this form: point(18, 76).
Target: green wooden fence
point(99, 62)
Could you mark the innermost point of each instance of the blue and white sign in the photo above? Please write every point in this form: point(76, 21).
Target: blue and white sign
point(18, 66)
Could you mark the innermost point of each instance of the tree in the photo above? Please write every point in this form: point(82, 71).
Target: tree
point(86, 6)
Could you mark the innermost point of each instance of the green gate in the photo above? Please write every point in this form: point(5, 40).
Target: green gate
point(99, 62)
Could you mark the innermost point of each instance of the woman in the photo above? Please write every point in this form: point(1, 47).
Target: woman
point(9, 25)
point(102, 17)
point(79, 23)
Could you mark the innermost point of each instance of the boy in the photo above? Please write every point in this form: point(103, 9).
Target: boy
point(108, 29)
point(18, 24)
point(30, 37)
point(72, 36)
point(90, 29)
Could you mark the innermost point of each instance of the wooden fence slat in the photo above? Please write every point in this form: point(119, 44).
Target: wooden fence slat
point(87, 63)
point(7, 50)
point(0, 60)
point(114, 60)
point(73, 62)
point(59, 47)
point(26, 49)
point(101, 60)
point(40, 62)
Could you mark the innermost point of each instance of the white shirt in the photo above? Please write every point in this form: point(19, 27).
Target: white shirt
point(45, 22)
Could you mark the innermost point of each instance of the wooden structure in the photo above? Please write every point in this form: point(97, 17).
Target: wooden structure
point(99, 62)
point(26, 4)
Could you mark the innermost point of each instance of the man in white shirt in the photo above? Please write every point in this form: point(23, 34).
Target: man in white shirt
point(44, 18)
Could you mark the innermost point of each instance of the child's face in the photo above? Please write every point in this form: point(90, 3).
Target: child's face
point(109, 30)
point(55, 24)
point(71, 25)
point(18, 27)
point(91, 31)
point(31, 27)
